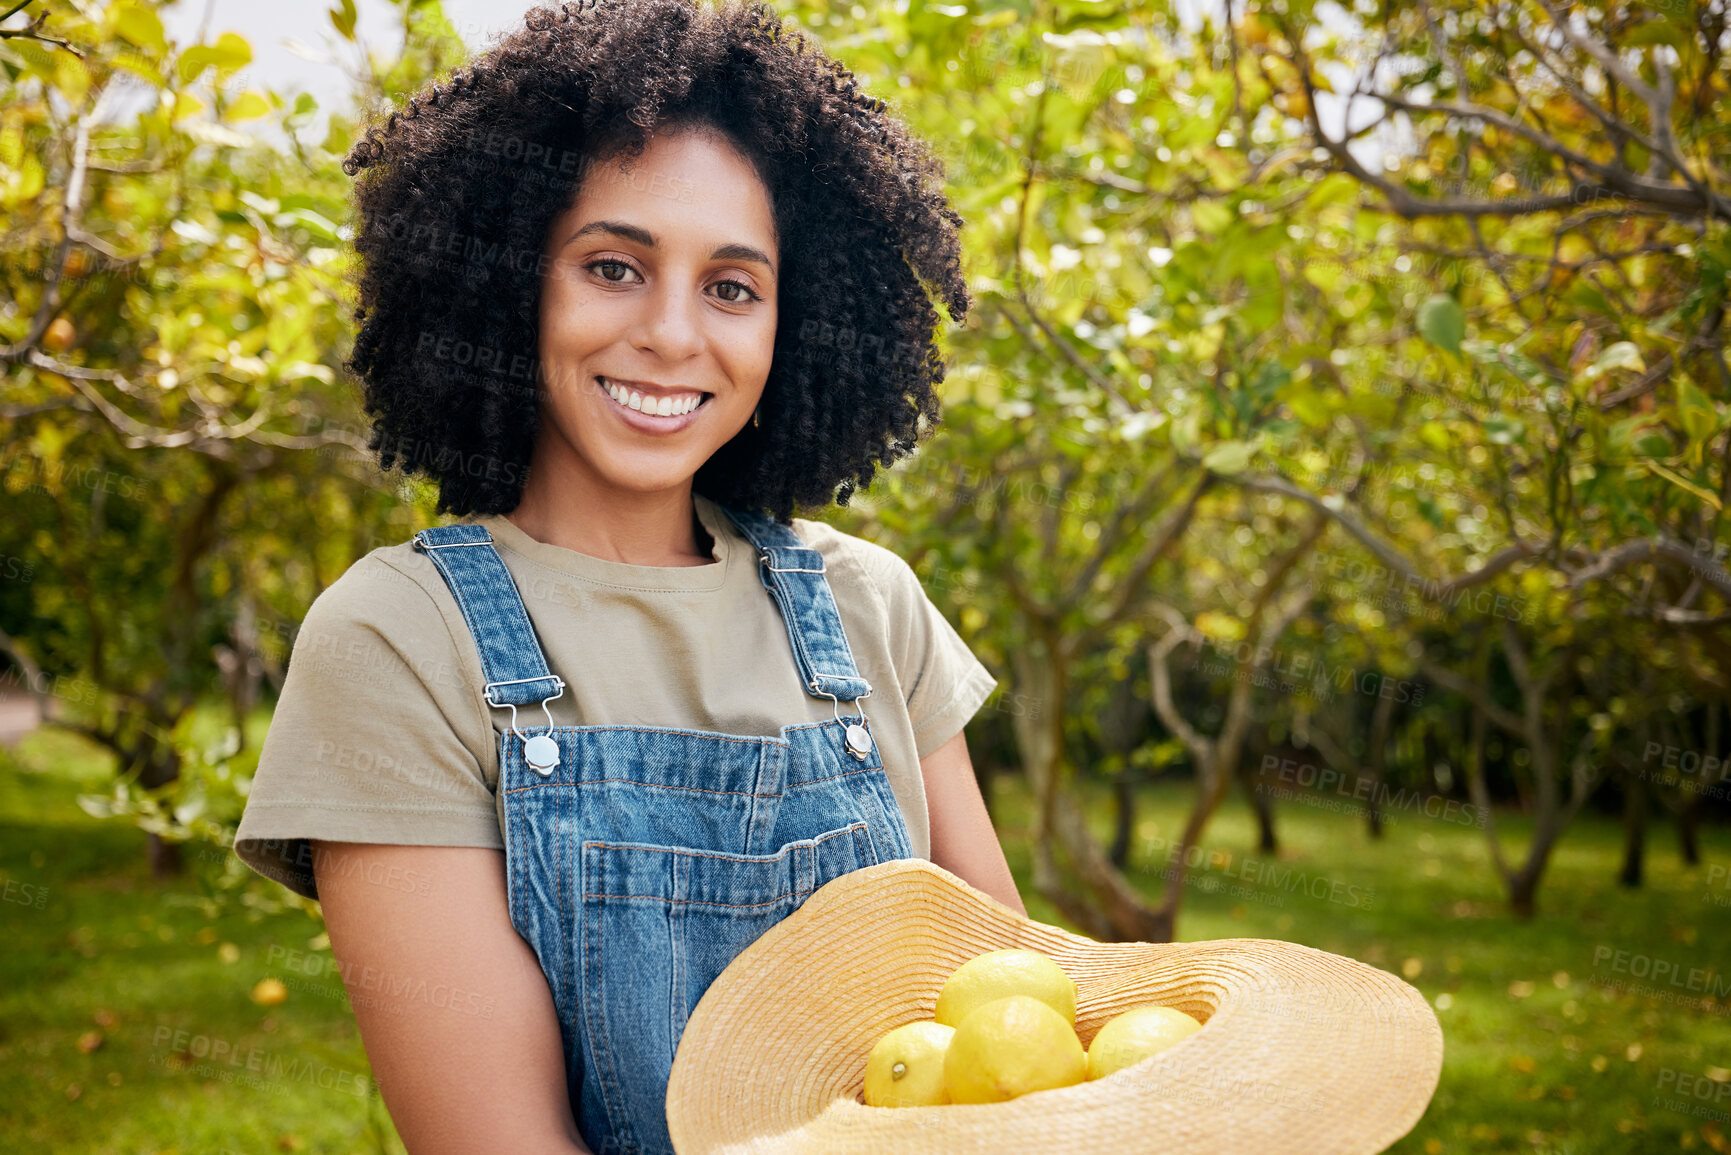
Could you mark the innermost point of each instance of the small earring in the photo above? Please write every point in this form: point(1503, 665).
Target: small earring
point(757, 416)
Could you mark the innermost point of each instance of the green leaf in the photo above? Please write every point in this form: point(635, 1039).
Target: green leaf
point(1618, 355)
point(317, 225)
point(139, 25)
point(1654, 444)
point(343, 19)
point(1504, 430)
point(248, 106)
point(1683, 483)
point(1656, 32)
point(1442, 323)
point(1211, 216)
point(1700, 418)
point(1229, 457)
point(228, 53)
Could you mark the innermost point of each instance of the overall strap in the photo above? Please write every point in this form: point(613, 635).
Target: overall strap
point(793, 574)
point(511, 658)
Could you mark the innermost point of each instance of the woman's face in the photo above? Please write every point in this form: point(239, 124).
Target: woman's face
point(660, 281)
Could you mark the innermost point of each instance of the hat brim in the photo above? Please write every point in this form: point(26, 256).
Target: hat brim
point(1300, 1050)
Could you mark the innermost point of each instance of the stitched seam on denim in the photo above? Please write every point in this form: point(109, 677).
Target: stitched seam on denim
point(638, 782)
point(835, 613)
point(692, 789)
point(901, 842)
point(693, 852)
point(676, 982)
point(487, 672)
point(836, 607)
point(711, 735)
point(777, 901)
point(609, 1075)
point(455, 585)
point(510, 865)
point(514, 596)
point(751, 815)
point(567, 966)
point(708, 735)
point(795, 635)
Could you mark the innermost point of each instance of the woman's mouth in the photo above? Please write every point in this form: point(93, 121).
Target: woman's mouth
point(652, 413)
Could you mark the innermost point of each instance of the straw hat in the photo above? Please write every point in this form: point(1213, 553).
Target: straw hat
point(1300, 1050)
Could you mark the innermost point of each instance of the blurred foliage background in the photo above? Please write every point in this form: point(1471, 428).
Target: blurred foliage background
point(1332, 472)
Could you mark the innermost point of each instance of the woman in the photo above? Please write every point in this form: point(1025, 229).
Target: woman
point(638, 282)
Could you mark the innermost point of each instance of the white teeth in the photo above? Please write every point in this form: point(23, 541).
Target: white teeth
point(659, 407)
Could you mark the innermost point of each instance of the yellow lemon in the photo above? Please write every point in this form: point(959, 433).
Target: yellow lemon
point(999, 974)
point(1134, 1035)
point(906, 1066)
point(1009, 1047)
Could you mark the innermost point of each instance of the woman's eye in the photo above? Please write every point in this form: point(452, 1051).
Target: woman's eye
point(744, 293)
point(621, 266)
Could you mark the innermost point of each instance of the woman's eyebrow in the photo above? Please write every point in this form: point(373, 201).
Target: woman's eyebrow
point(727, 252)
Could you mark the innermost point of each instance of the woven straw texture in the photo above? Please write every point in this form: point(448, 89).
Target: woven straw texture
point(1300, 1050)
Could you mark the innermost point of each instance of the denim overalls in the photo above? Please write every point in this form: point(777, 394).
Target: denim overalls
point(641, 859)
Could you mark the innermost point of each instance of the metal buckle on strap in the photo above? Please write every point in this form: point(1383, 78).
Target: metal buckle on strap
point(541, 752)
point(487, 690)
point(859, 741)
point(765, 559)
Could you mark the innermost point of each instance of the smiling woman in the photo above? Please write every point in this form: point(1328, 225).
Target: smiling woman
point(657, 323)
point(669, 211)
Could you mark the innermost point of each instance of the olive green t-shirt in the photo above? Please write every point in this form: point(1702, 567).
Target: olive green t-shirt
point(381, 734)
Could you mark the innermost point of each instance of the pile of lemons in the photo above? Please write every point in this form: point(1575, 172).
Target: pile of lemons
point(1005, 1025)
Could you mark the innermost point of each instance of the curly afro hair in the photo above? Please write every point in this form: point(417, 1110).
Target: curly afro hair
point(462, 183)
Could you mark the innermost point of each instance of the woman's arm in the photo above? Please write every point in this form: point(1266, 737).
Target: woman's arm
point(453, 1008)
point(963, 841)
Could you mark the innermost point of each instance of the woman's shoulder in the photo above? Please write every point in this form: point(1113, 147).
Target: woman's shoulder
point(834, 542)
point(393, 594)
point(847, 555)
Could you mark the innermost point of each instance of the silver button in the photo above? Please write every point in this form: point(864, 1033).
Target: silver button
point(858, 740)
point(542, 754)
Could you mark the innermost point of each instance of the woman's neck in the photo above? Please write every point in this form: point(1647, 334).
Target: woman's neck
point(651, 529)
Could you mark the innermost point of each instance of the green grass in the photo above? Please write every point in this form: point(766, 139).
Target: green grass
point(117, 992)
point(1543, 1053)
point(1545, 1050)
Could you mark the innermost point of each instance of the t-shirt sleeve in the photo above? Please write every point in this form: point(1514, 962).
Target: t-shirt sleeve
point(376, 734)
point(944, 682)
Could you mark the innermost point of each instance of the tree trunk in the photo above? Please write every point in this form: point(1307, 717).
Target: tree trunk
point(160, 766)
point(1523, 894)
point(1039, 740)
point(1262, 805)
point(1688, 826)
point(1378, 763)
point(1689, 814)
point(1124, 794)
point(1634, 831)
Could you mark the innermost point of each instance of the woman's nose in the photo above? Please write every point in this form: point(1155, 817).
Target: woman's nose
point(669, 325)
